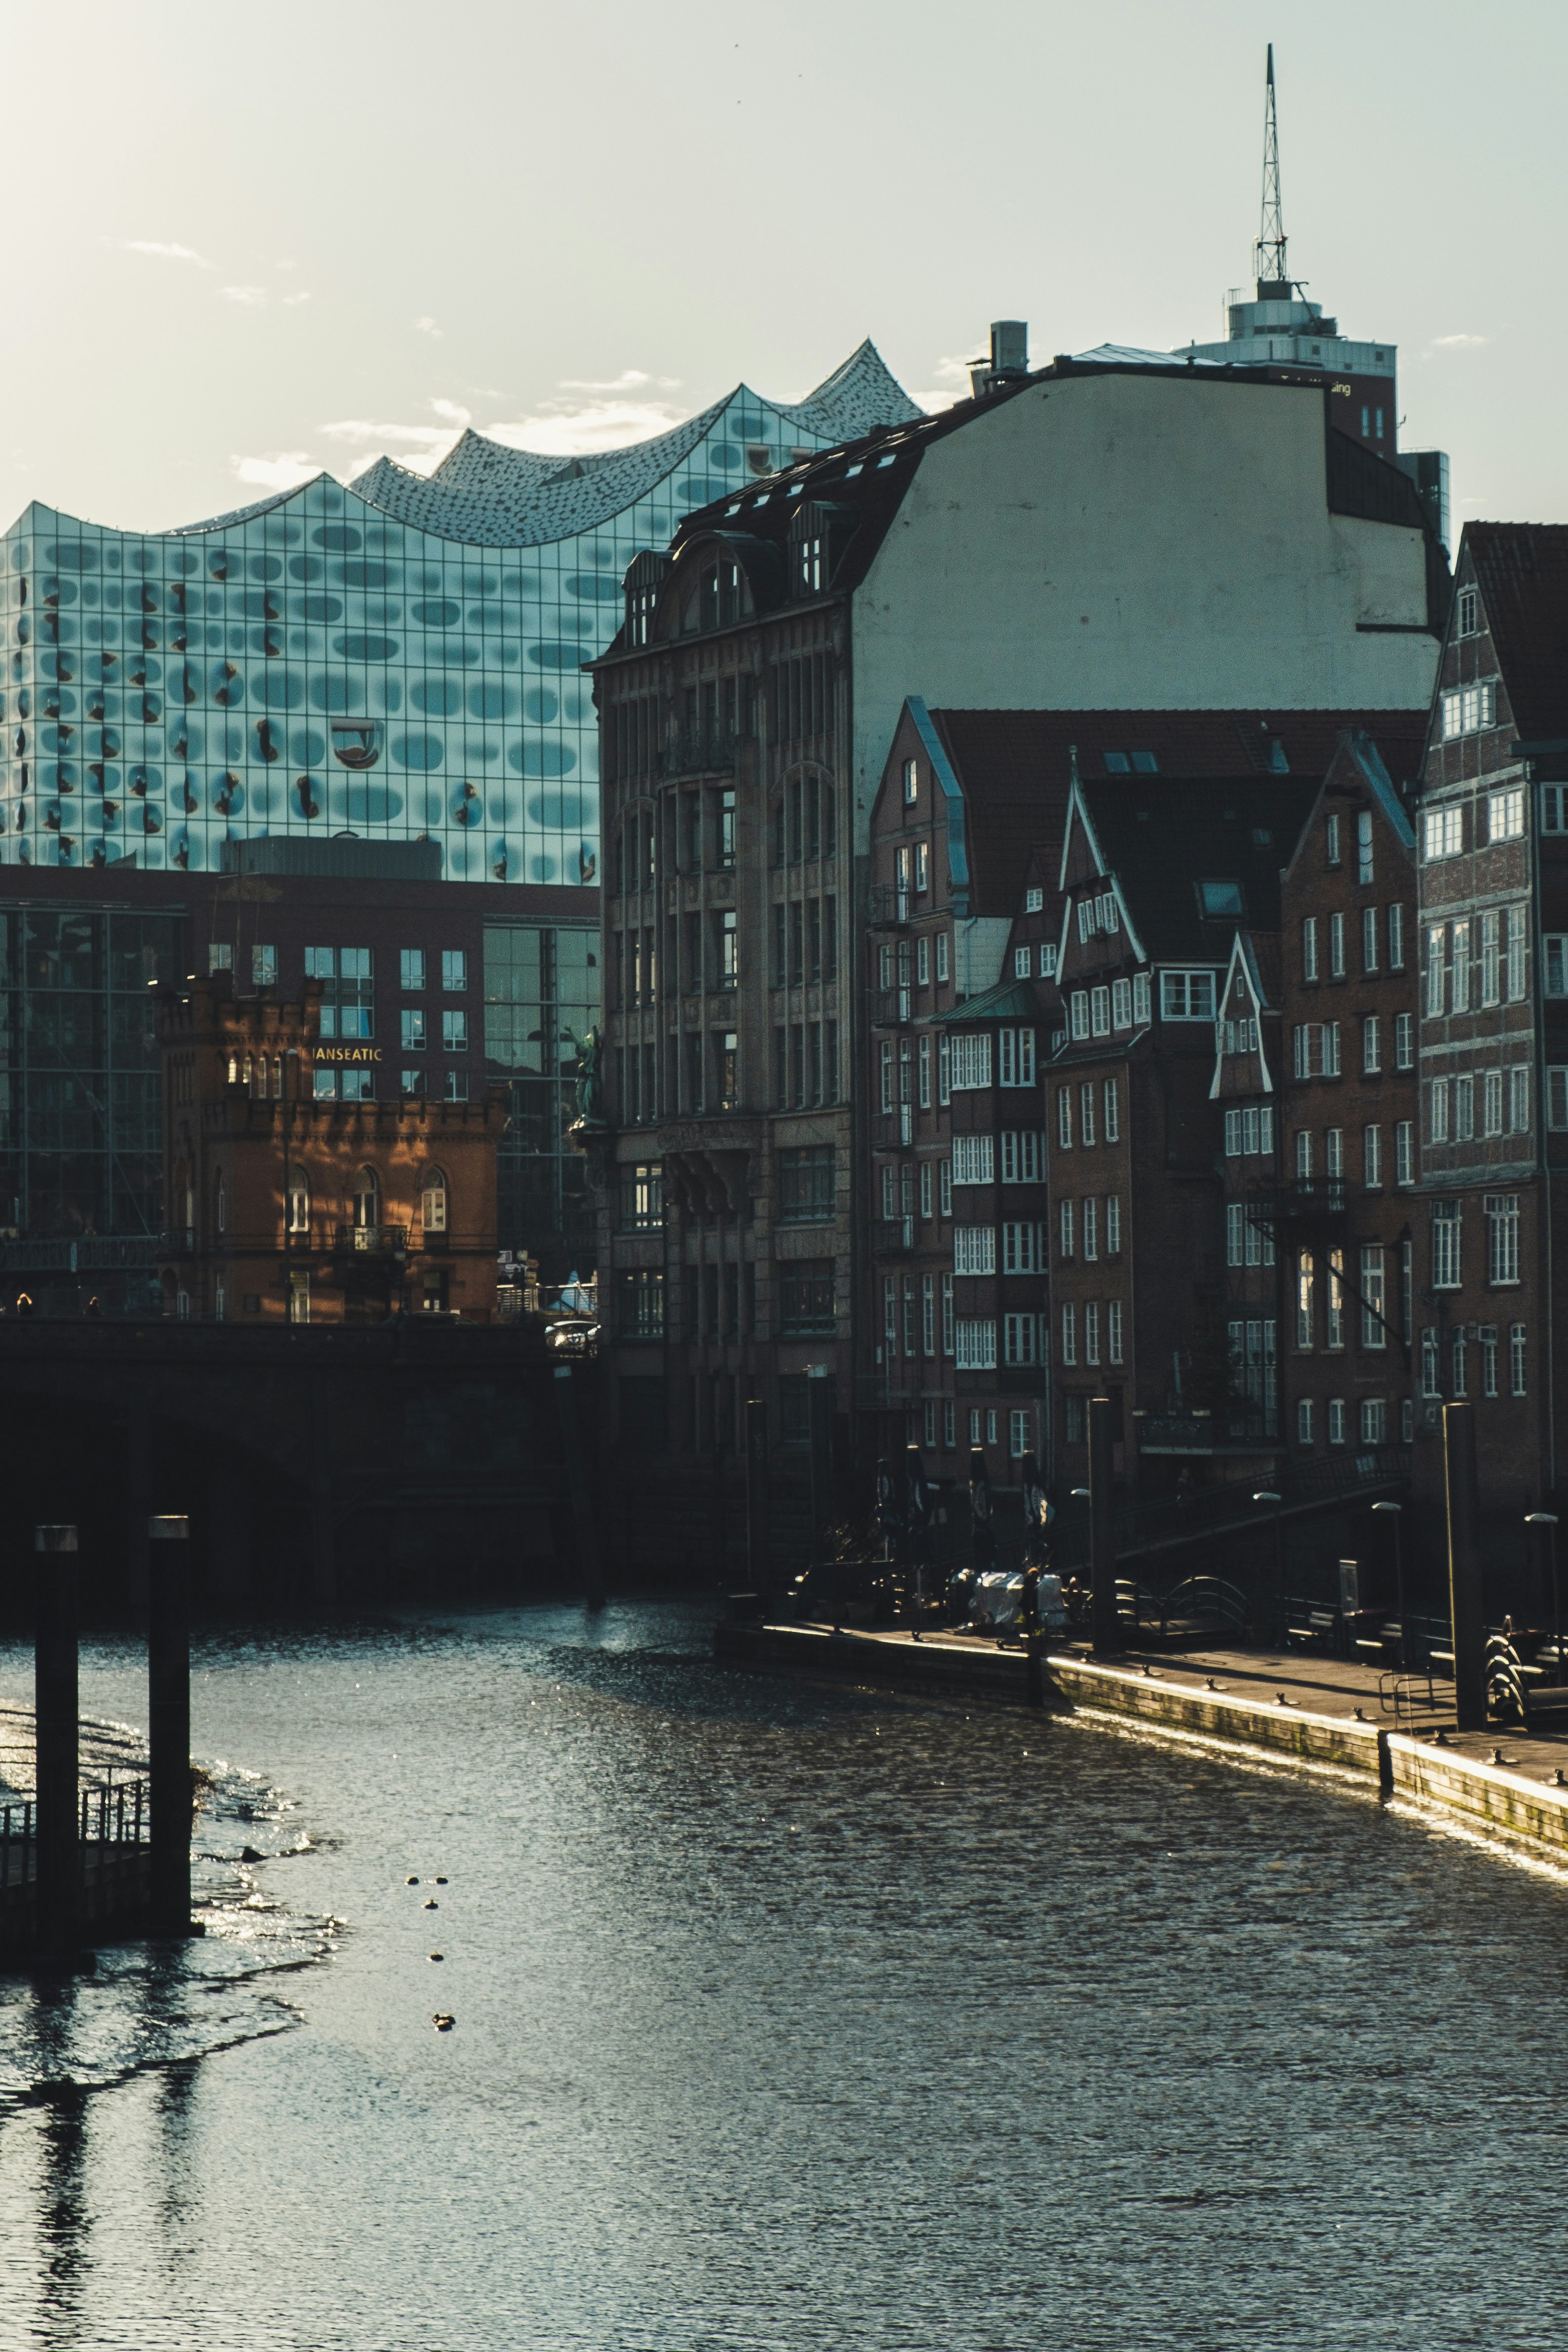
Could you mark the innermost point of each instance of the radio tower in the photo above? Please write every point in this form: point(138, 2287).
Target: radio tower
point(1273, 279)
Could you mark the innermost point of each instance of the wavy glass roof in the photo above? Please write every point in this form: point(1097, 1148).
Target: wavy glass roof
point(397, 660)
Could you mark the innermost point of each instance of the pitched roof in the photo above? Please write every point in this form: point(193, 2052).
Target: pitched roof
point(1523, 571)
point(1160, 846)
point(1016, 766)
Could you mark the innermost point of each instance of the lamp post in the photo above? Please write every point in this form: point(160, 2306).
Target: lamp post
point(1548, 1521)
point(1280, 1630)
point(1398, 1511)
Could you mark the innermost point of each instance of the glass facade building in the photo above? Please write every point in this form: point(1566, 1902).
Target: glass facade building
point(400, 660)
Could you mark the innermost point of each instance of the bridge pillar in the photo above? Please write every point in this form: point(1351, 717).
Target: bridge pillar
point(57, 1842)
point(137, 1497)
point(169, 1722)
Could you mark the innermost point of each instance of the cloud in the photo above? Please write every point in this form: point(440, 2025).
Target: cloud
point(614, 416)
point(629, 379)
point(292, 301)
point(425, 445)
point(284, 470)
point(167, 252)
point(952, 382)
point(1459, 342)
point(253, 297)
point(428, 327)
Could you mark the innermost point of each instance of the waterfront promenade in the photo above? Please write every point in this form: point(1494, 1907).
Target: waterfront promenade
point(1307, 1708)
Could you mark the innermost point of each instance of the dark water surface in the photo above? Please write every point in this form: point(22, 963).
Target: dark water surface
point(785, 2018)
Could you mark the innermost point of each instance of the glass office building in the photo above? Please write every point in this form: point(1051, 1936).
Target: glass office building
point(400, 660)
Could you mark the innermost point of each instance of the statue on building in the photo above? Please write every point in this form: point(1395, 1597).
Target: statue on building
point(590, 1078)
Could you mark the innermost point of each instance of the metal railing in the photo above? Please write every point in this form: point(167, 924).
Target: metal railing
point(370, 1241)
point(887, 905)
point(893, 1236)
point(92, 1253)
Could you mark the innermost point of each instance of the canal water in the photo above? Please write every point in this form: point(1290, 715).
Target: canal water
point(783, 2018)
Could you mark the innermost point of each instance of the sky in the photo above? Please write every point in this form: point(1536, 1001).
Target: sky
point(249, 244)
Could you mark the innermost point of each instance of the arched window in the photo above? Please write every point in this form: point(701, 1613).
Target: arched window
point(366, 1198)
point(245, 1075)
point(234, 1069)
point(277, 1078)
point(298, 1202)
point(433, 1203)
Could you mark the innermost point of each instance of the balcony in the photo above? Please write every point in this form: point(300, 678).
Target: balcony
point(892, 1236)
point(895, 1129)
point(382, 1242)
point(889, 1007)
point(887, 906)
point(698, 752)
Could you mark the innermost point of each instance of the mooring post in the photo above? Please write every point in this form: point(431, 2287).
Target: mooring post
point(757, 1562)
point(1102, 1529)
point(1466, 1619)
point(576, 1481)
point(57, 1844)
point(169, 1722)
point(820, 1429)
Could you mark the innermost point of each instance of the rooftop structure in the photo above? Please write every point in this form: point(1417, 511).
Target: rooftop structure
point(399, 660)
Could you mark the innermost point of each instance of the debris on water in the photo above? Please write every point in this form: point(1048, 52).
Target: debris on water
point(249, 1854)
point(431, 1904)
point(441, 1882)
point(444, 2021)
point(411, 1882)
point(438, 1955)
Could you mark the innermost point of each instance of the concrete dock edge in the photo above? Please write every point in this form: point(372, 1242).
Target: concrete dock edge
point(1516, 1802)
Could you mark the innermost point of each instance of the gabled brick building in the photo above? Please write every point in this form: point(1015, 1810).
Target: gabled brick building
point(1493, 1024)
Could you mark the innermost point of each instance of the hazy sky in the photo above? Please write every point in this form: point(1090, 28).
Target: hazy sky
point(250, 242)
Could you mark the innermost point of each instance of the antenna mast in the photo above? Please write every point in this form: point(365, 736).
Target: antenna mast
point(1273, 279)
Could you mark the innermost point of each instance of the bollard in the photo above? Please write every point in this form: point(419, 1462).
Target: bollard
point(1102, 1530)
point(169, 1722)
point(577, 1483)
point(1466, 1619)
point(758, 1565)
point(57, 1845)
point(819, 1425)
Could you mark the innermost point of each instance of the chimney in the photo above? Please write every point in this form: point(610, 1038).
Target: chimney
point(1009, 358)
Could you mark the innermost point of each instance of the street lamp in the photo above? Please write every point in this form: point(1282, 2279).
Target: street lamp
point(1548, 1519)
point(1398, 1511)
point(1282, 1631)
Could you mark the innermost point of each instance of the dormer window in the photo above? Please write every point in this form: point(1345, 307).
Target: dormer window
point(1219, 900)
point(1130, 763)
point(643, 579)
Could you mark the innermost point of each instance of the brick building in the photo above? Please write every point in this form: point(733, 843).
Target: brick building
point(1341, 1203)
point(292, 1204)
point(1493, 1024)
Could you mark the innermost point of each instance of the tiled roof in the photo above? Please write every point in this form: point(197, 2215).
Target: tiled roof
point(1523, 571)
point(1016, 767)
point(1161, 844)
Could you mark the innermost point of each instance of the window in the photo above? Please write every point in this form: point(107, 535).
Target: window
point(1555, 944)
point(947, 1315)
point(1334, 1151)
point(220, 957)
point(1033, 902)
point(1519, 1098)
point(807, 1178)
point(1086, 1113)
point(411, 968)
point(1491, 959)
point(1234, 1220)
point(1459, 987)
point(413, 1020)
point(974, 1249)
point(1443, 829)
point(972, 1159)
point(1066, 1214)
point(1304, 1155)
point(925, 1073)
point(1502, 1238)
point(910, 782)
point(1336, 1298)
point(1336, 1421)
point(1092, 1334)
point(977, 1344)
point(1022, 963)
point(1373, 1420)
point(456, 1085)
point(1113, 1112)
point(1232, 1134)
point(1336, 947)
point(1114, 1342)
point(1113, 1224)
point(1437, 1120)
point(1491, 1085)
point(1310, 948)
point(1372, 1157)
point(410, 1082)
point(1186, 996)
point(1121, 1004)
point(1019, 1339)
point(1466, 622)
point(1374, 1329)
point(1436, 970)
point(941, 955)
point(1331, 840)
point(1486, 1340)
point(1015, 1057)
point(1371, 1045)
point(1404, 1042)
point(1217, 900)
point(1363, 846)
point(1554, 808)
point(971, 1062)
point(926, 1190)
point(1304, 1284)
point(1369, 938)
point(1017, 1433)
point(264, 967)
point(1304, 1421)
point(1099, 1012)
point(1070, 1335)
point(1516, 1359)
point(1505, 815)
point(454, 971)
point(1316, 1048)
point(640, 1304)
point(1023, 1160)
point(347, 998)
point(1077, 1012)
point(1403, 1153)
point(945, 1185)
point(1516, 955)
point(1445, 1245)
point(1460, 1386)
point(1047, 960)
point(1064, 1119)
point(1468, 709)
point(1557, 1097)
point(1091, 1229)
point(729, 946)
point(1396, 938)
point(455, 1032)
point(1431, 1385)
point(805, 1297)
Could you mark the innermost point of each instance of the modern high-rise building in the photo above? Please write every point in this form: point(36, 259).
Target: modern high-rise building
point(400, 660)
